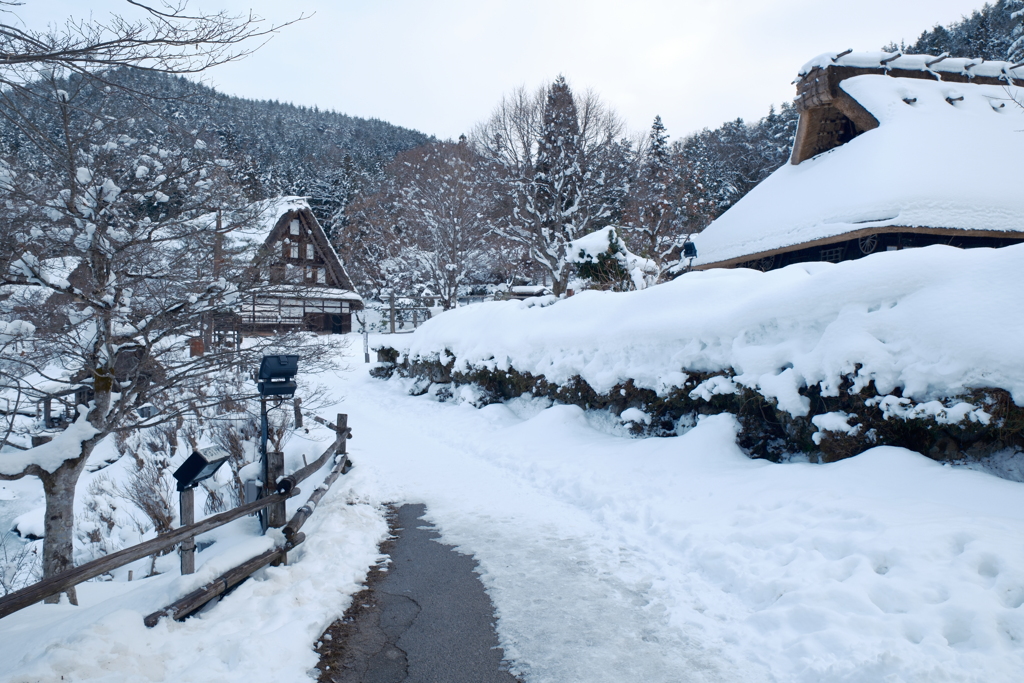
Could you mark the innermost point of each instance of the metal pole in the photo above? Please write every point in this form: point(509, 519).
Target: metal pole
point(187, 508)
point(263, 460)
point(366, 341)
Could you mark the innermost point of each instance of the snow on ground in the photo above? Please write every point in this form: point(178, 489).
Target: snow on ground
point(608, 559)
point(262, 631)
point(932, 321)
point(613, 559)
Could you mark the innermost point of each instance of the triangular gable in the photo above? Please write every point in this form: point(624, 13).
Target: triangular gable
point(337, 276)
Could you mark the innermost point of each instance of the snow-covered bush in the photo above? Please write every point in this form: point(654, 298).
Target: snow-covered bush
point(872, 339)
point(604, 262)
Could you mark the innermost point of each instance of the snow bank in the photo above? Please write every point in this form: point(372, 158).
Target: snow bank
point(894, 175)
point(264, 630)
point(934, 322)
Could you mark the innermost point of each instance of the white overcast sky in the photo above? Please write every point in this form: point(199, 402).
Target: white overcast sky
point(440, 66)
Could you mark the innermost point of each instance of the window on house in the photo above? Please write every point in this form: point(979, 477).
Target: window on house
point(309, 273)
point(321, 275)
point(835, 255)
point(309, 251)
point(294, 227)
point(295, 251)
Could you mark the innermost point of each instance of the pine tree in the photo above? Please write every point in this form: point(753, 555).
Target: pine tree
point(653, 220)
point(557, 169)
point(1016, 51)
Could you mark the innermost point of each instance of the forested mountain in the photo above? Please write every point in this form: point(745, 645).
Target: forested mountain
point(987, 33)
point(277, 148)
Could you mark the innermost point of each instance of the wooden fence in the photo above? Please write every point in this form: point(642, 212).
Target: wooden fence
point(286, 488)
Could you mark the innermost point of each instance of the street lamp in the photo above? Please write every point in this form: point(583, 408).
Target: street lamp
point(276, 378)
point(277, 375)
point(202, 464)
point(199, 466)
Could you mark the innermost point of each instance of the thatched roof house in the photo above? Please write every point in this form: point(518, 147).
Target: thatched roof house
point(307, 287)
point(892, 151)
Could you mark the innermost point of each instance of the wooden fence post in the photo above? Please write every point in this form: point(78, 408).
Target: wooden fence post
point(341, 425)
point(392, 312)
point(276, 514)
point(188, 517)
point(298, 412)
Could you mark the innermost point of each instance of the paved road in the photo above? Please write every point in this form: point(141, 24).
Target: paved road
point(425, 620)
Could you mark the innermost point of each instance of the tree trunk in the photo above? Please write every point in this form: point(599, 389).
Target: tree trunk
point(59, 523)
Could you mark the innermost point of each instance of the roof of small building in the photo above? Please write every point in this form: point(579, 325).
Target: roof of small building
point(942, 157)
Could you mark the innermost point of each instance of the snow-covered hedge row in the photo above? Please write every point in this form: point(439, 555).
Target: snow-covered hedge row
point(899, 336)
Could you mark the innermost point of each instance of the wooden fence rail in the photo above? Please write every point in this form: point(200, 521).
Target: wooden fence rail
point(287, 488)
point(195, 600)
point(58, 584)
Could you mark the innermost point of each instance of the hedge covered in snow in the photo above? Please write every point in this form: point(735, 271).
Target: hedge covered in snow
point(919, 348)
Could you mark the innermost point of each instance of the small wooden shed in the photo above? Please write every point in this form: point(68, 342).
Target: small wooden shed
point(892, 151)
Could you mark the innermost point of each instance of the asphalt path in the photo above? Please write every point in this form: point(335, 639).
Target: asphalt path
point(426, 619)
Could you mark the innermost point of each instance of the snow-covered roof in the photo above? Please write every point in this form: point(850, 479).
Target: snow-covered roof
point(934, 64)
point(277, 210)
point(942, 157)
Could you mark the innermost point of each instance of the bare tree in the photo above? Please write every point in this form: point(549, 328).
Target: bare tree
point(552, 166)
point(122, 241)
point(441, 202)
point(165, 37)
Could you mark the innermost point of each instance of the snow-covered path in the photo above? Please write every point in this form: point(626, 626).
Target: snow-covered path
point(575, 600)
point(608, 559)
point(615, 559)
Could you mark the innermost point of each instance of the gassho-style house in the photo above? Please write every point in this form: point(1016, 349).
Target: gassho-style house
point(307, 287)
point(892, 151)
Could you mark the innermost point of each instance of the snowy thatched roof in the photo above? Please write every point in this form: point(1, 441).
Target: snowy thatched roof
point(919, 154)
point(274, 225)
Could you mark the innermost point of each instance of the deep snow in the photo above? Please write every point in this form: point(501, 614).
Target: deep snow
point(932, 322)
point(608, 559)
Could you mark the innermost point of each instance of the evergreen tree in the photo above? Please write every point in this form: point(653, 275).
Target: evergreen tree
point(654, 217)
point(985, 34)
point(1016, 51)
point(556, 170)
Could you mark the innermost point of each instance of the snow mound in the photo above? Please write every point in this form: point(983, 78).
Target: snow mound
point(934, 322)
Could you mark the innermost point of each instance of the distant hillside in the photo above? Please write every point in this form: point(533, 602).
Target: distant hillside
point(283, 148)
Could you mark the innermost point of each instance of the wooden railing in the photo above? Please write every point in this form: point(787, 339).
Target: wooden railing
point(286, 488)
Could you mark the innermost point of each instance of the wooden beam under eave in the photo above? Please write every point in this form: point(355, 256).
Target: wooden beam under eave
point(857, 234)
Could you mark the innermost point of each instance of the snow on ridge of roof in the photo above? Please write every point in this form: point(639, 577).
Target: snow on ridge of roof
point(942, 157)
point(274, 209)
point(930, 63)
